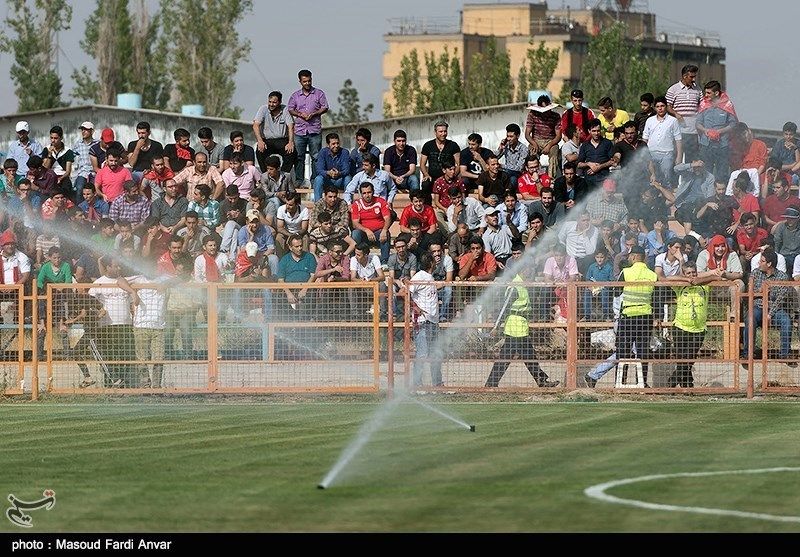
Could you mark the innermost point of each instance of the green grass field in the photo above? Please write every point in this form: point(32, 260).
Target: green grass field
point(214, 466)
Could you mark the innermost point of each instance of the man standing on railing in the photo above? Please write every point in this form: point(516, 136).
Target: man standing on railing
point(516, 332)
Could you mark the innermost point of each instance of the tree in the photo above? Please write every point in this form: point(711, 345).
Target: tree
point(205, 50)
point(130, 54)
point(406, 89)
point(488, 80)
point(34, 25)
point(349, 106)
point(616, 67)
point(537, 70)
point(445, 89)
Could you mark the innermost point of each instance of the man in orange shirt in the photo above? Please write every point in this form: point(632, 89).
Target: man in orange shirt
point(749, 152)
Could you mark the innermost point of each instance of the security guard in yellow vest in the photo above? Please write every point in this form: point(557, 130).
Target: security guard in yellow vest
point(636, 315)
point(517, 337)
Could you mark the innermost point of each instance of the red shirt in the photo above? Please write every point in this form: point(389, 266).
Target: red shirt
point(427, 217)
point(748, 204)
point(577, 120)
point(750, 243)
point(370, 216)
point(440, 187)
point(774, 207)
point(485, 265)
point(109, 182)
point(165, 266)
point(530, 185)
point(755, 156)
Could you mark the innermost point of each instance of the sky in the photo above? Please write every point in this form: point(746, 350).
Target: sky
point(337, 41)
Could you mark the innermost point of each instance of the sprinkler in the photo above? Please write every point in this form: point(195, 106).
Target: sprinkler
point(472, 428)
point(320, 486)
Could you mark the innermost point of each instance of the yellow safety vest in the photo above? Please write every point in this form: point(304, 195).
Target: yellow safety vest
point(637, 299)
point(517, 321)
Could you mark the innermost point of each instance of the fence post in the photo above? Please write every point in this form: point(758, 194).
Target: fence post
point(750, 340)
point(213, 339)
point(390, 346)
point(34, 347)
point(376, 332)
point(572, 336)
point(49, 330)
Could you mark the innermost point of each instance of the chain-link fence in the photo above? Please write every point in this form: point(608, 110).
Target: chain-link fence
point(351, 337)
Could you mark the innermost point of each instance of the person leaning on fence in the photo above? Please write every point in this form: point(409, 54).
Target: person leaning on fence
point(517, 340)
point(689, 327)
point(636, 318)
point(424, 298)
point(778, 307)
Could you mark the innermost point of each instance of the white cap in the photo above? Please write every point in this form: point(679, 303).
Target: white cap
point(22, 125)
point(251, 249)
point(86, 125)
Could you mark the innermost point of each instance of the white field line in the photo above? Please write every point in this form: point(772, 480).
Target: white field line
point(599, 492)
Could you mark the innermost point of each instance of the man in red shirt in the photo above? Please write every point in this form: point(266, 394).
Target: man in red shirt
point(110, 178)
point(418, 210)
point(532, 180)
point(475, 265)
point(748, 152)
point(775, 204)
point(749, 238)
point(578, 115)
point(371, 220)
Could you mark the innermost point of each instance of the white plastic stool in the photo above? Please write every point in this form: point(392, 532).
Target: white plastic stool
point(624, 368)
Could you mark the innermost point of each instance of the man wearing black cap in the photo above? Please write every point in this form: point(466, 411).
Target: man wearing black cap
point(578, 115)
point(636, 314)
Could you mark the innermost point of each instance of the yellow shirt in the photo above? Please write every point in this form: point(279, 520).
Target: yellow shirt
point(618, 121)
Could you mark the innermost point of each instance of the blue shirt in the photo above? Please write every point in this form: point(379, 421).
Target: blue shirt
point(100, 205)
point(17, 152)
point(291, 270)
point(600, 274)
point(382, 184)
point(328, 161)
point(714, 119)
point(356, 158)
point(262, 237)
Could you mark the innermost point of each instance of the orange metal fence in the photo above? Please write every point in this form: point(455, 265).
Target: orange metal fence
point(364, 337)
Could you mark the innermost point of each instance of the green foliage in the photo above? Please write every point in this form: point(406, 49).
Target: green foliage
point(406, 88)
point(537, 70)
point(616, 66)
point(488, 80)
point(349, 106)
point(445, 86)
point(205, 51)
point(130, 54)
point(33, 25)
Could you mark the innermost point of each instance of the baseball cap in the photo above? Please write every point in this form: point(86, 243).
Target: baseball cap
point(7, 237)
point(251, 248)
point(252, 215)
point(491, 211)
point(107, 135)
point(637, 250)
point(22, 125)
point(86, 126)
point(791, 213)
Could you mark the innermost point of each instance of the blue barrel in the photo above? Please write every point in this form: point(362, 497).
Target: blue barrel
point(193, 109)
point(129, 100)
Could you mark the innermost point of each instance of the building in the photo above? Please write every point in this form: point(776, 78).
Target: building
point(516, 25)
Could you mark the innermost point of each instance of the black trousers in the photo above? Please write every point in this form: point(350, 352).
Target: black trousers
point(636, 330)
point(516, 348)
point(276, 146)
point(686, 345)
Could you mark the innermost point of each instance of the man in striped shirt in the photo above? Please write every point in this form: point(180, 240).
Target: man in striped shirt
point(683, 100)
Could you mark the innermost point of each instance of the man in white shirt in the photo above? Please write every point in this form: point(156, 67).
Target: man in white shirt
point(115, 334)
point(662, 133)
point(425, 308)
